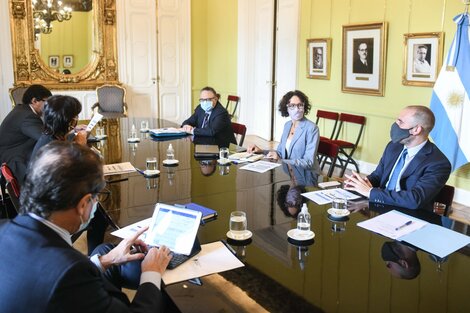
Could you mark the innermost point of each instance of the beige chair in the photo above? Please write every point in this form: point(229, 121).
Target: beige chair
point(16, 94)
point(111, 101)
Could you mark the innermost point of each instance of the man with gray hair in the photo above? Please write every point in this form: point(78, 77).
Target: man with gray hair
point(412, 169)
point(42, 272)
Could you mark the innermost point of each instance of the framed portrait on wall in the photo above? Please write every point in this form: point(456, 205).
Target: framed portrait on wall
point(319, 58)
point(422, 58)
point(54, 61)
point(364, 58)
point(68, 61)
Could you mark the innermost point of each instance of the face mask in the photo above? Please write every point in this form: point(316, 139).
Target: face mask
point(296, 114)
point(206, 105)
point(397, 134)
point(388, 254)
point(92, 214)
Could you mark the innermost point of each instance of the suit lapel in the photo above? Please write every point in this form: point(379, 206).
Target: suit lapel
point(419, 158)
point(395, 151)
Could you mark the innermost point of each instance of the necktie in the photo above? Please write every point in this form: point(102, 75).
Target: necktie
point(392, 183)
point(205, 121)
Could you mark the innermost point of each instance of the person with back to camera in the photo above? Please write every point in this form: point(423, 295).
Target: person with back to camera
point(21, 129)
point(300, 137)
point(60, 122)
point(40, 270)
point(210, 119)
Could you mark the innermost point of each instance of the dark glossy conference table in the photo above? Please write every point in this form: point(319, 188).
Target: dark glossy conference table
point(341, 271)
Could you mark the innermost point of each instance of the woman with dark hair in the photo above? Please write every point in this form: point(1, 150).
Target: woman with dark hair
point(60, 122)
point(300, 138)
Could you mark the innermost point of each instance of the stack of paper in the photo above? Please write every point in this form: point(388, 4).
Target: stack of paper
point(118, 168)
point(327, 195)
point(260, 166)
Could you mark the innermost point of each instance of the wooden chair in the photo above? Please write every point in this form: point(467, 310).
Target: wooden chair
point(239, 130)
point(331, 116)
point(16, 94)
point(10, 183)
point(328, 150)
point(446, 196)
point(347, 148)
point(111, 101)
point(232, 101)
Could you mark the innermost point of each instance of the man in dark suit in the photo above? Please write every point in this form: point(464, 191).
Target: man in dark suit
point(40, 270)
point(210, 119)
point(362, 64)
point(412, 170)
point(20, 130)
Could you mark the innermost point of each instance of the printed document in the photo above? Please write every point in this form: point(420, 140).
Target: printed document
point(327, 195)
point(118, 168)
point(260, 166)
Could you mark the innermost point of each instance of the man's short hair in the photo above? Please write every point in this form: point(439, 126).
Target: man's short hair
point(423, 116)
point(423, 47)
point(59, 176)
point(38, 92)
point(207, 88)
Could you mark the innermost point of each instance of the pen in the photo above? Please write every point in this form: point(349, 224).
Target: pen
point(404, 225)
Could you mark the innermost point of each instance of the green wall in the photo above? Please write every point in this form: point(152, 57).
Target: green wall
point(72, 37)
point(322, 18)
point(214, 47)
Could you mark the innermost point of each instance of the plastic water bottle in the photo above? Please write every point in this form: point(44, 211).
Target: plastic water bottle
point(170, 153)
point(303, 219)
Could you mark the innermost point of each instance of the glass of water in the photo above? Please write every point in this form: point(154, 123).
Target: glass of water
point(151, 164)
point(238, 224)
point(223, 155)
point(340, 204)
point(144, 126)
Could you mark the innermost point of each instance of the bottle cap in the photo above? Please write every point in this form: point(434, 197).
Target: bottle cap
point(170, 147)
point(304, 208)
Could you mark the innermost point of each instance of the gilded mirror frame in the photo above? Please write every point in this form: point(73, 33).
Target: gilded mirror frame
point(29, 68)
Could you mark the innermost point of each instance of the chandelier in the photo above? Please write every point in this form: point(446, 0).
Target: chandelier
point(47, 11)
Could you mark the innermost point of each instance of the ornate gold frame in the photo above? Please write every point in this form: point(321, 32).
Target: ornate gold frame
point(29, 67)
point(326, 71)
point(439, 36)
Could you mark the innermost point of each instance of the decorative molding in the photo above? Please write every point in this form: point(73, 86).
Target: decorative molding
point(30, 69)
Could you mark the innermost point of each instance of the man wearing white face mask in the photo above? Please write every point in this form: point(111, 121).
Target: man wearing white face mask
point(300, 138)
point(42, 272)
point(412, 169)
point(210, 119)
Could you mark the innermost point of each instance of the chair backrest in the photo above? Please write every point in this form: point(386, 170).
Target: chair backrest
point(351, 118)
point(11, 185)
point(232, 101)
point(239, 129)
point(334, 116)
point(329, 150)
point(16, 94)
point(111, 98)
point(446, 196)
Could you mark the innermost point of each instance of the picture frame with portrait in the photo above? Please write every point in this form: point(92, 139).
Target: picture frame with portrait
point(54, 61)
point(364, 58)
point(68, 61)
point(319, 58)
point(422, 59)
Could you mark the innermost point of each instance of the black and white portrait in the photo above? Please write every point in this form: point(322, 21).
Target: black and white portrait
point(363, 56)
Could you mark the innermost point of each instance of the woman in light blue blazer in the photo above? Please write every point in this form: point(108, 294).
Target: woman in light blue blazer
point(300, 138)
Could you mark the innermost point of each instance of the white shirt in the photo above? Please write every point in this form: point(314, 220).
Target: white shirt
point(422, 66)
point(146, 277)
point(412, 152)
point(288, 143)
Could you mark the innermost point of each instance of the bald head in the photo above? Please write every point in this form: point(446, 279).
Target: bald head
point(422, 116)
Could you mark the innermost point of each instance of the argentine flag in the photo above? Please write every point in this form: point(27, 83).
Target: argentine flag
point(450, 99)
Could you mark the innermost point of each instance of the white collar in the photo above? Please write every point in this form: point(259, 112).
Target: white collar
point(63, 233)
point(414, 150)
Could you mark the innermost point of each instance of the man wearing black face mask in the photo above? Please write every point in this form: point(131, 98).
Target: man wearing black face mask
point(412, 170)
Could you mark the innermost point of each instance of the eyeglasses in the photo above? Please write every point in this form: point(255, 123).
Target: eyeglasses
point(293, 105)
point(208, 99)
point(102, 196)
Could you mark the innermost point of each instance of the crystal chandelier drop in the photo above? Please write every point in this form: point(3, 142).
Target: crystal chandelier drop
point(46, 11)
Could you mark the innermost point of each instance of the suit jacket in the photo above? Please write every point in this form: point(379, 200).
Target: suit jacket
point(19, 132)
point(304, 145)
point(359, 67)
point(219, 126)
point(40, 272)
point(420, 183)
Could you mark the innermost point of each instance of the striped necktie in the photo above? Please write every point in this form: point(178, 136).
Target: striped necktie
point(392, 183)
point(205, 122)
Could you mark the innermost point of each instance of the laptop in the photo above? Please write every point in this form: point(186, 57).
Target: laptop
point(175, 228)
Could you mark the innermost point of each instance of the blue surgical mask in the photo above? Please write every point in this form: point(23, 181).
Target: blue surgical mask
point(206, 105)
point(397, 134)
point(84, 225)
point(295, 113)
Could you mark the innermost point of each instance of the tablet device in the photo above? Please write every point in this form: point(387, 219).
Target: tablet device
point(173, 227)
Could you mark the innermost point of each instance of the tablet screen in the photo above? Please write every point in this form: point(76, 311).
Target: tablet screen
point(173, 227)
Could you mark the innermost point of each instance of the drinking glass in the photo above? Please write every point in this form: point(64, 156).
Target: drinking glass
point(224, 170)
point(151, 164)
point(340, 204)
point(439, 208)
point(144, 126)
point(238, 224)
point(99, 132)
point(151, 183)
point(223, 155)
